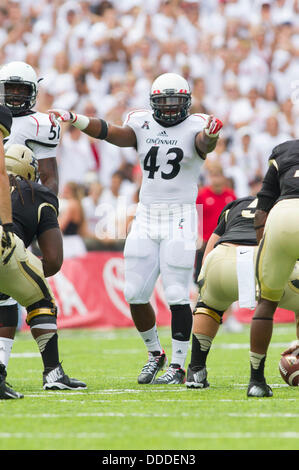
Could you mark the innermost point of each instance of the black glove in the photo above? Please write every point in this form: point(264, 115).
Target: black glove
point(5, 120)
point(8, 244)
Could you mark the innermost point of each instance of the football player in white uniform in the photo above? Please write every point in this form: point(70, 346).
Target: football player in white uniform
point(18, 92)
point(172, 146)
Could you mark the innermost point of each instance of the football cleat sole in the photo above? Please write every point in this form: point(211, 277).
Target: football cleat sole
point(61, 386)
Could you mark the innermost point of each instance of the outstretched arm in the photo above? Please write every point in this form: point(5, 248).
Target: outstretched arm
point(97, 128)
point(259, 223)
point(51, 246)
point(210, 245)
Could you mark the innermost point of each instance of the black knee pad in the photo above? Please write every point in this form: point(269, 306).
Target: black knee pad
point(181, 322)
point(9, 315)
point(44, 311)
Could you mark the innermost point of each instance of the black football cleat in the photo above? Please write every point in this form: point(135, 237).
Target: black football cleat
point(259, 389)
point(6, 392)
point(173, 376)
point(56, 379)
point(197, 378)
point(155, 363)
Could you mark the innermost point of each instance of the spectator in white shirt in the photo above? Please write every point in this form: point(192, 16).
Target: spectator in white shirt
point(74, 157)
point(265, 141)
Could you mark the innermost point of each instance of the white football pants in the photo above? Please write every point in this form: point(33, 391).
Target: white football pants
point(162, 241)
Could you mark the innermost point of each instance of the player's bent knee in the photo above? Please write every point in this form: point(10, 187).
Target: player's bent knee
point(203, 309)
point(42, 312)
point(135, 295)
point(177, 295)
point(136, 290)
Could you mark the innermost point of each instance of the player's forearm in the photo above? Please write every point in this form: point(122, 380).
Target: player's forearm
point(206, 140)
point(205, 144)
point(100, 129)
point(259, 223)
point(210, 245)
point(95, 127)
point(50, 268)
point(115, 135)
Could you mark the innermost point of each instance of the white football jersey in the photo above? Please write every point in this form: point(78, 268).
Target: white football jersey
point(36, 132)
point(169, 161)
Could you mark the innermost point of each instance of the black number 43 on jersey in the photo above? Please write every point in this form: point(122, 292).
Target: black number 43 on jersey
point(150, 162)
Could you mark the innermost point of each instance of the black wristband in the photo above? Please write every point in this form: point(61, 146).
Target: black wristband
point(104, 130)
point(258, 226)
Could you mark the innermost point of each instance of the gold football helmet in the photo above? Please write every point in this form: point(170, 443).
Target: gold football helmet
point(21, 162)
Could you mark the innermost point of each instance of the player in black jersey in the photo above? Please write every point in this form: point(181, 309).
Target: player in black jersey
point(277, 225)
point(221, 283)
point(34, 210)
point(218, 283)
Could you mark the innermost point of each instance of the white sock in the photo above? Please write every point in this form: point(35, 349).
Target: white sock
point(255, 359)
point(5, 350)
point(151, 339)
point(179, 352)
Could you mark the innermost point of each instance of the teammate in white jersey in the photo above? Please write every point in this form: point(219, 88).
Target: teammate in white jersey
point(18, 92)
point(172, 145)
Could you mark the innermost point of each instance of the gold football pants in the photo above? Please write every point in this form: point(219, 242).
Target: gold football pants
point(278, 250)
point(219, 283)
point(22, 278)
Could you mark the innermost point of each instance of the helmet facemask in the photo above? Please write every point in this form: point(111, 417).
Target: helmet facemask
point(170, 108)
point(18, 95)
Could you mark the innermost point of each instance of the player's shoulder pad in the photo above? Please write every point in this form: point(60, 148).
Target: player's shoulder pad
point(137, 115)
point(233, 203)
point(244, 199)
point(225, 210)
point(284, 147)
point(44, 131)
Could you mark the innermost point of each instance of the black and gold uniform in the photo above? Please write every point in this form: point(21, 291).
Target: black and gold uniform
point(218, 280)
point(235, 223)
point(279, 198)
point(35, 210)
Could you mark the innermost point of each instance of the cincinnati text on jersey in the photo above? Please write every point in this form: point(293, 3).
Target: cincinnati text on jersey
point(158, 141)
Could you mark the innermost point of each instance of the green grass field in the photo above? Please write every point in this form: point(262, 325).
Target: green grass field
point(117, 413)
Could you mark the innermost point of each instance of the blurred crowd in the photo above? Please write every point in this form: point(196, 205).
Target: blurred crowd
point(241, 58)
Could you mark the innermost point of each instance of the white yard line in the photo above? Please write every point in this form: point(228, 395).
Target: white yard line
point(263, 415)
point(180, 435)
point(138, 351)
point(236, 435)
point(111, 414)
